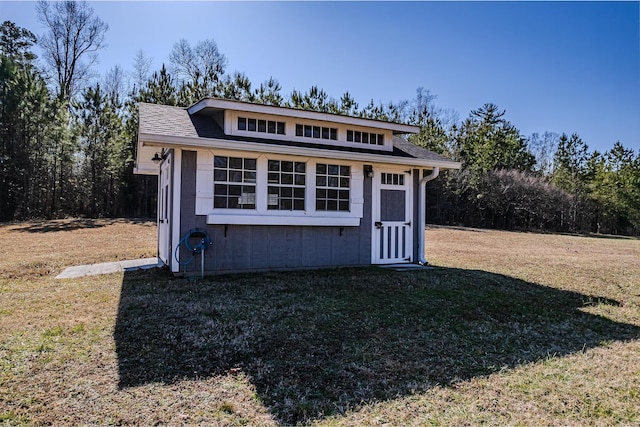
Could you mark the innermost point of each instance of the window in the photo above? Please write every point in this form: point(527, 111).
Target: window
point(259, 125)
point(317, 132)
point(234, 182)
point(332, 187)
point(287, 181)
point(392, 178)
point(365, 137)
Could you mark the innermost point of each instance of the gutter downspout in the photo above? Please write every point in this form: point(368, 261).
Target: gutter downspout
point(422, 214)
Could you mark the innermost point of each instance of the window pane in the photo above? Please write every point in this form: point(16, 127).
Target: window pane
point(299, 130)
point(287, 178)
point(220, 190)
point(380, 139)
point(271, 127)
point(325, 133)
point(332, 181)
point(220, 202)
point(250, 164)
point(299, 179)
point(365, 137)
point(274, 165)
point(235, 162)
point(357, 136)
point(343, 206)
point(333, 169)
point(220, 161)
point(344, 182)
point(332, 194)
point(262, 125)
point(321, 168)
point(242, 123)
point(321, 205)
point(321, 180)
point(334, 134)
point(350, 136)
point(307, 131)
point(286, 192)
point(298, 205)
point(298, 193)
point(286, 166)
point(332, 205)
point(345, 170)
point(249, 176)
point(316, 131)
point(301, 167)
point(280, 128)
point(219, 174)
point(274, 178)
point(251, 125)
point(235, 190)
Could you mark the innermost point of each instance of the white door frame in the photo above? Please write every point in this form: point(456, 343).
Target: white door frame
point(391, 241)
point(164, 209)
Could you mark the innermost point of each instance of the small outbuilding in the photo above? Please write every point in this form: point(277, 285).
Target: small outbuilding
point(273, 188)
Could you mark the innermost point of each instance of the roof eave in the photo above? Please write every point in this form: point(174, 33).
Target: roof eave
point(212, 143)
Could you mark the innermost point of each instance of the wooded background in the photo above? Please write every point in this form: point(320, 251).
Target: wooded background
point(68, 137)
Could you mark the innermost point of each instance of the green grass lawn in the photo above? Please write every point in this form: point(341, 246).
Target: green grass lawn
point(489, 336)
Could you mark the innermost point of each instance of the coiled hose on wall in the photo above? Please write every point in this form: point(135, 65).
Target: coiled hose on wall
point(202, 237)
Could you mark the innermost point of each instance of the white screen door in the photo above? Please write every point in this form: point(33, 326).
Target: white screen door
point(392, 210)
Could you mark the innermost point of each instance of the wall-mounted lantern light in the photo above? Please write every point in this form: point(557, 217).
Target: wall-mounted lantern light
point(368, 171)
point(156, 158)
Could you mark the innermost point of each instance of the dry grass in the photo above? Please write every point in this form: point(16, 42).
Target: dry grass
point(509, 329)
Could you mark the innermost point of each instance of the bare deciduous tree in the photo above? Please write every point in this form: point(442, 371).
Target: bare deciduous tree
point(70, 45)
point(141, 69)
point(201, 65)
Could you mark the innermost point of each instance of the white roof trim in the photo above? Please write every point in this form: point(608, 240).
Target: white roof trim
point(183, 141)
point(223, 104)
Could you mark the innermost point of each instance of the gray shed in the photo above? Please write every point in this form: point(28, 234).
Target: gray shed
point(274, 188)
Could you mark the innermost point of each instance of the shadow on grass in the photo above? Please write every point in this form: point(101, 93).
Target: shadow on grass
point(75, 224)
point(317, 343)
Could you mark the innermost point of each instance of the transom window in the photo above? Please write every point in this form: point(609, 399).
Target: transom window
point(260, 125)
point(318, 132)
point(234, 182)
point(333, 183)
point(286, 189)
point(365, 137)
point(392, 178)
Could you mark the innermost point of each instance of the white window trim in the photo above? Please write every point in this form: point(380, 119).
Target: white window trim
point(231, 128)
point(262, 215)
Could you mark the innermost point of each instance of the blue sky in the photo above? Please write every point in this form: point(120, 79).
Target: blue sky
point(553, 66)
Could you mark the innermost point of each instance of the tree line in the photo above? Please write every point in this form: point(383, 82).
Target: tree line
point(68, 137)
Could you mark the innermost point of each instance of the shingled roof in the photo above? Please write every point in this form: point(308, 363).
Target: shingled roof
point(170, 121)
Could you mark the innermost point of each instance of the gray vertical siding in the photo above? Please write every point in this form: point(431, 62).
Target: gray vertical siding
point(263, 247)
